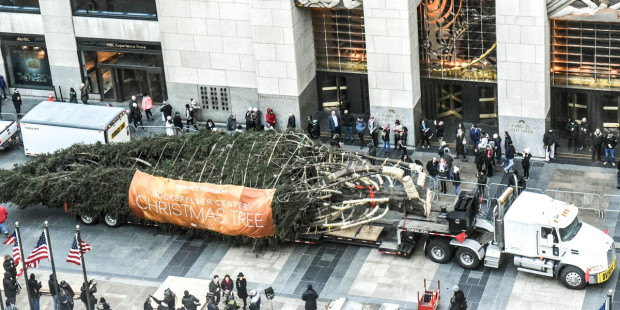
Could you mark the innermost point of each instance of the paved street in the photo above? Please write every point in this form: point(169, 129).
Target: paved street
point(132, 262)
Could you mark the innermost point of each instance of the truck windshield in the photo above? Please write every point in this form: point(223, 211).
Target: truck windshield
point(569, 232)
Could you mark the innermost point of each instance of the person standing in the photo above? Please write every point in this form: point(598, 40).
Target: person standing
point(597, 144)
point(526, 163)
point(65, 302)
point(147, 304)
point(255, 300)
point(178, 123)
point(290, 123)
point(373, 130)
point(4, 214)
point(310, 296)
point(89, 288)
point(572, 130)
point(17, 101)
point(334, 124)
point(482, 181)
point(497, 148)
point(315, 131)
point(444, 173)
point(479, 158)
point(507, 141)
point(348, 122)
point(510, 156)
point(34, 291)
point(190, 117)
point(456, 180)
point(51, 283)
point(460, 144)
point(9, 265)
point(549, 143)
point(190, 302)
point(147, 105)
point(458, 301)
point(84, 93)
point(270, 119)
point(257, 117)
point(231, 123)
point(215, 289)
point(425, 134)
point(227, 285)
point(402, 141)
point(309, 124)
point(397, 129)
point(584, 132)
point(474, 135)
point(10, 287)
point(242, 288)
point(249, 122)
point(385, 136)
point(72, 95)
point(196, 109)
point(439, 129)
point(610, 145)
point(136, 115)
point(489, 160)
point(432, 167)
point(169, 127)
point(360, 127)
point(104, 305)
point(3, 87)
point(166, 110)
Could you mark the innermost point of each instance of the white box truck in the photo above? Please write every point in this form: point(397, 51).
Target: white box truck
point(9, 130)
point(52, 126)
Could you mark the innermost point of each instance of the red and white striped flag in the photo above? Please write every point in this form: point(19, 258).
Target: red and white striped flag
point(74, 253)
point(11, 238)
point(16, 252)
point(40, 252)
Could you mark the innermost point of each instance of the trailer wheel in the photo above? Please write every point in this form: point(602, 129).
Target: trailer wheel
point(111, 220)
point(573, 278)
point(88, 219)
point(440, 250)
point(467, 258)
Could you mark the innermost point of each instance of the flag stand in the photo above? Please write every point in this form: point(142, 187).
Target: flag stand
point(49, 244)
point(86, 284)
point(23, 262)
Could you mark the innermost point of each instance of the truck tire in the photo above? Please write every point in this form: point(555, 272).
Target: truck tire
point(467, 258)
point(111, 220)
point(440, 250)
point(88, 219)
point(573, 278)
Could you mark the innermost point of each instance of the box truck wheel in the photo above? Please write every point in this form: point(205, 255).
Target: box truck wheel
point(467, 258)
point(88, 219)
point(440, 250)
point(111, 220)
point(573, 278)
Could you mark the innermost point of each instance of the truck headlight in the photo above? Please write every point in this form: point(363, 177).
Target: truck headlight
point(597, 269)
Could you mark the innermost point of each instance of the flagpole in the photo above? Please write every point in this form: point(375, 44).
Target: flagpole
point(23, 261)
point(49, 244)
point(79, 241)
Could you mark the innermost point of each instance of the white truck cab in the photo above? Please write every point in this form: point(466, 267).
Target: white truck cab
point(547, 238)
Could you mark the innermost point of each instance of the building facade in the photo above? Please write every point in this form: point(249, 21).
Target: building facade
point(520, 66)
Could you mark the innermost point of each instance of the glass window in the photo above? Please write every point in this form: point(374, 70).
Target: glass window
point(28, 6)
point(140, 9)
point(457, 39)
point(90, 63)
point(569, 232)
point(28, 66)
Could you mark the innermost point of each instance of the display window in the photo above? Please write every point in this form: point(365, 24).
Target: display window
point(27, 64)
point(136, 9)
point(22, 6)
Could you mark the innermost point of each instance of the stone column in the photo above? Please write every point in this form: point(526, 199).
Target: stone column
point(523, 83)
point(393, 61)
point(285, 62)
point(61, 46)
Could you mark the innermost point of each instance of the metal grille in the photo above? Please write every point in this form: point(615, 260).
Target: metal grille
point(339, 40)
point(585, 54)
point(215, 98)
point(457, 39)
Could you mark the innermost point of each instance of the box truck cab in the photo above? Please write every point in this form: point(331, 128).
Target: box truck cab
point(52, 126)
point(547, 238)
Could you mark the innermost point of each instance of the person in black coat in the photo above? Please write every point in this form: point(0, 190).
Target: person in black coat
point(215, 289)
point(136, 115)
point(17, 101)
point(526, 163)
point(406, 159)
point(584, 133)
point(310, 296)
point(10, 287)
point(458, 301)
point(610, 143)
point(290, 123)
point(497, 149)
point(549, 144)
point(190, 302)
point(572, 130)
point(479, 158)
point(9, 265)
point(482, 181)
point(231, 123)
point(432, 167)
point(242, 288)
point(147, 304)
point(89, 288)
point(460, 144)
point(439, 129)
point(597, 144)
point(34, 291)
point(178, 122)
point(166, 109)
point(51, 283)
point(103, 304)
point(65, 302)
point(315, 131)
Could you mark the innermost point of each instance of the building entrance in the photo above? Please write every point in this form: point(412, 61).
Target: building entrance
point(343, 92)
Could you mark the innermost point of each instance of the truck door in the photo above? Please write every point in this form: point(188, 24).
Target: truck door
point(548, 243)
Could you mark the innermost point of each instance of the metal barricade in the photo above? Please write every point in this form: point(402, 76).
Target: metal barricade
point(148, 131)
point(583, 201)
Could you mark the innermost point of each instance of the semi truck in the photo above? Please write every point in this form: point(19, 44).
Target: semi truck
point(9, 133)
point(52, 126)
point(542, 235)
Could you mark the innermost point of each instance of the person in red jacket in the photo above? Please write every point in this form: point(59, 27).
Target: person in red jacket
point(4, 214)
point(270, 118)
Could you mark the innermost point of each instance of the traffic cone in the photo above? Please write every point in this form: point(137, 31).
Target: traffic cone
point(50, 97)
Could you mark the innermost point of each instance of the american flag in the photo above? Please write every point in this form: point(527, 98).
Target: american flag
point(74, 253)
point(11, 239)
point(40, 252)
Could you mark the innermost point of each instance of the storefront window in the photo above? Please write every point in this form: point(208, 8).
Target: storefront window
point(27, 66)
point(457, 40)
point(137, 9)
point(25, 6)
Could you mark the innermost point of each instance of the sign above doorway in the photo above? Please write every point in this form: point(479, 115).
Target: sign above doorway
point(340, 4)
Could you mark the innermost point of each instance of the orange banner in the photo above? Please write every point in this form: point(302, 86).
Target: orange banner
point(227, 209)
